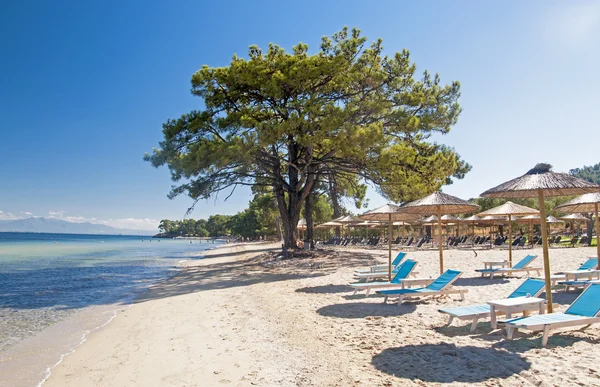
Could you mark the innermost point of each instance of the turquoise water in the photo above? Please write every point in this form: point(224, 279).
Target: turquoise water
point(45, 278)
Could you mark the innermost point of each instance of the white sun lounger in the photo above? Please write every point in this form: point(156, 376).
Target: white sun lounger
point(442, 286)
point(590, 264)
point(521, 266)
point(532, 287)
point(404, 271)
point(384, 268)
point(583, 311)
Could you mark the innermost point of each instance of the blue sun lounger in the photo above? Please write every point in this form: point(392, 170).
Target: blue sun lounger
point(583, 311)
point(521, 266)
point(533, 287)
point(588, 265)
point(403, 272)
point(377, 268)
point(442, 286)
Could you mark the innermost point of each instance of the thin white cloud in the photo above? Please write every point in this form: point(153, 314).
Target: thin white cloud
point(573, 23)
point(9, 216)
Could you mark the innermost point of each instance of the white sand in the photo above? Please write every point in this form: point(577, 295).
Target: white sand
point(230, 319)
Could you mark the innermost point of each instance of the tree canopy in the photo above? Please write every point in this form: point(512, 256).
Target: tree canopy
point(290, 121)
point(591, 173)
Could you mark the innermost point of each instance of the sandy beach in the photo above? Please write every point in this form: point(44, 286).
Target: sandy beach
point(240, 318)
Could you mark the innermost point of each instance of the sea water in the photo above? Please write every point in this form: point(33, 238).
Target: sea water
point(56, 288)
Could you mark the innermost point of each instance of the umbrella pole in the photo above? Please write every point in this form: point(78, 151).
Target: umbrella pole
point(545, 250)
point(531, 233)
point(439, 216)
point(390, 231)
point(597, 235)
point(509, 241)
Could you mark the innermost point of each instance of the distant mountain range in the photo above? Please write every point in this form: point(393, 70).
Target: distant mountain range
point(58, 226)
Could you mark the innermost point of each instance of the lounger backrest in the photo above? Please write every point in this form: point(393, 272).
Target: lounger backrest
point(404, 271)
point(533, 287)
point(444, 280)
point(588, 302)
point(398, 258)
point(524, 262)
point(590, 264)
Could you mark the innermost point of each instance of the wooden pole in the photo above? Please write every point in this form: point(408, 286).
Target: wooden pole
point(439, 216)
point(509, 241)
point(597, 235)
point(390, 232)
point(545, 250)
point(531, 232)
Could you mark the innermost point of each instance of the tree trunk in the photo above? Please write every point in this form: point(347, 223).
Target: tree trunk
point(277, 218)
point(590, 227)
point(335, 203)
point(308, 215)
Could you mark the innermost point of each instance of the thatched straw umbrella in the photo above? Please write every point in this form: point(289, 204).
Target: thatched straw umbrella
point(471, 219)
point(530, 220)
point(572, 218)
point(366, 224)
point(401, 225)
point(345, 220)
point(552, 219)
point(447, 220)
point(585, 203)
point(387, 213)
point(491, 220)
point(509, 209)
point(439, 203)
point(540, 182)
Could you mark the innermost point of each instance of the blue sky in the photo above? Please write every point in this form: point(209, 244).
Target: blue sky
point(86, 86)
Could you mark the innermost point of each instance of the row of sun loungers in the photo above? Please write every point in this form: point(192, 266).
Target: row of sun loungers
point(583, 311)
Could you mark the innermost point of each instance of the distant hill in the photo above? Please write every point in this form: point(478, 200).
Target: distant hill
point(58, 226)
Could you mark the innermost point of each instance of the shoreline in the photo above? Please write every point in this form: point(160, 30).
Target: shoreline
point(64, 337)
point(240, 318)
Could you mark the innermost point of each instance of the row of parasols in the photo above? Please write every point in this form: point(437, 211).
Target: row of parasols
point(539, 182)
point(448, 220)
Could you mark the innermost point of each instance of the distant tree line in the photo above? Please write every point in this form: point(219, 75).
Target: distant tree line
point(258, 220)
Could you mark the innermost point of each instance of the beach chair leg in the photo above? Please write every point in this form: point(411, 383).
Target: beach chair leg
point(385, 299)
point(474, 323)
point(510, 331)
point(355, 291)
point(399, 300)
point(545, 335)
point(450, 319)
point(462, 296)
point(368, 292)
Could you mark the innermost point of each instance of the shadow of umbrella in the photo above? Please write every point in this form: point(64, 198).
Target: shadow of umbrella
point(447, 363)
point(355, 310)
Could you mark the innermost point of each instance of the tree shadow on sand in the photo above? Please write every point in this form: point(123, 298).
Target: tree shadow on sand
point(447, 363)
point(325, 289)
point(356, 310)
point(245, 272)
